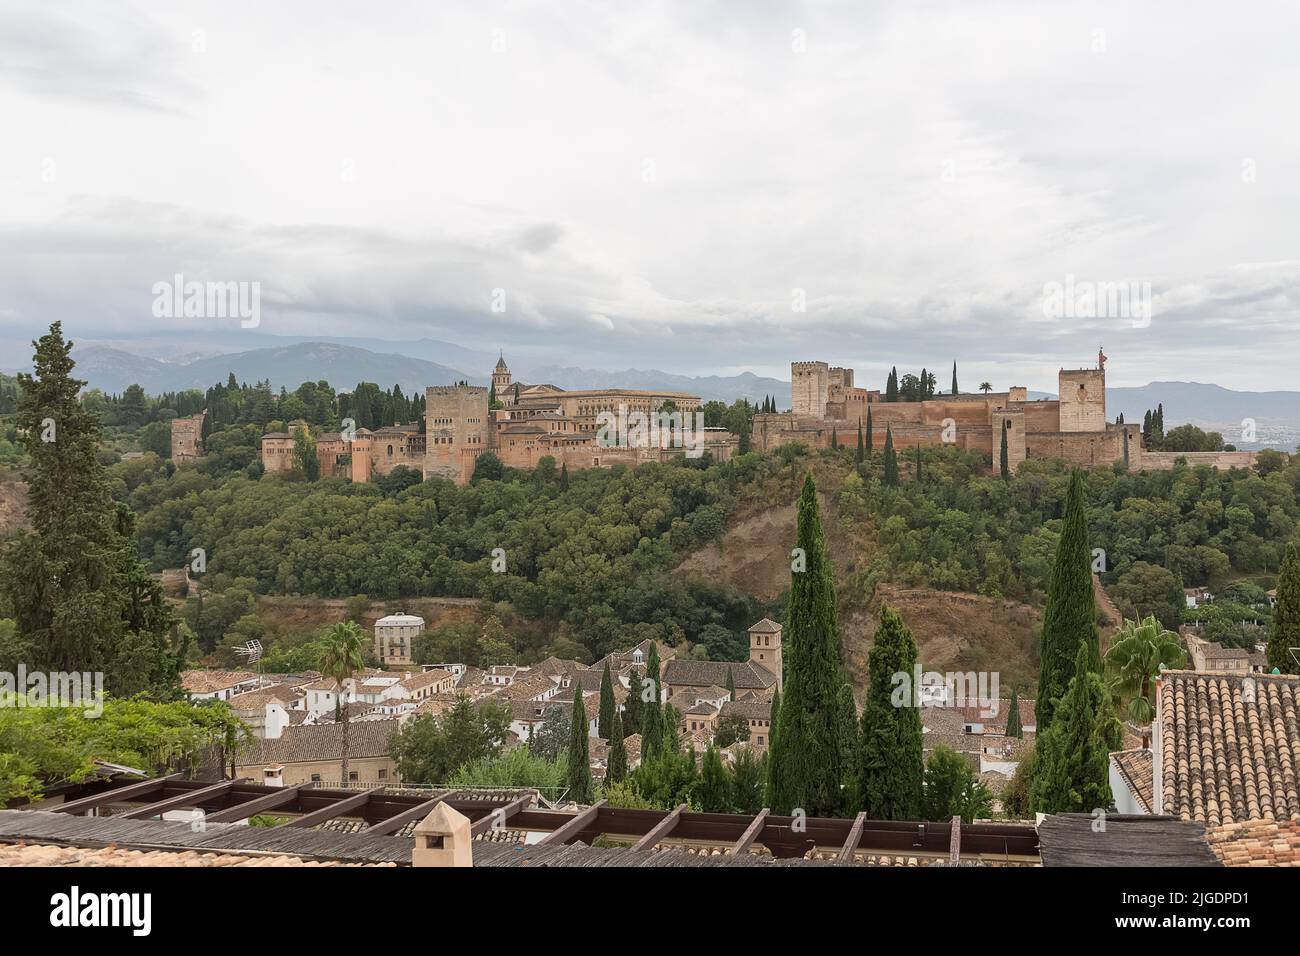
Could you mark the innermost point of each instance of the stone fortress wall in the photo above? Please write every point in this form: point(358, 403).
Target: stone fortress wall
point(825, 405)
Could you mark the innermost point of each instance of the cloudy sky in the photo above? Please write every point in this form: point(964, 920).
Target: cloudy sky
point(698, 187)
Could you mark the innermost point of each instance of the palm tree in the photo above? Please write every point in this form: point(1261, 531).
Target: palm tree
point(985, 387)
point(1137, 654)
point(341, 660)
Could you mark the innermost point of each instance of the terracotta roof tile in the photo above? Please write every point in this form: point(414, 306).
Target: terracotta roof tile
point(1137, 767)
point(1230, 746)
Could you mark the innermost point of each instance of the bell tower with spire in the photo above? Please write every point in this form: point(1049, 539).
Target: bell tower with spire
point(501, 381)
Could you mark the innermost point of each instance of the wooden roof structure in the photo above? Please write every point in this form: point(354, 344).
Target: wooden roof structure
point(380, 813)
point(1081, 839)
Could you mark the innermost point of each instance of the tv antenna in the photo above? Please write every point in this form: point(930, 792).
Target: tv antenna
point(253, 651)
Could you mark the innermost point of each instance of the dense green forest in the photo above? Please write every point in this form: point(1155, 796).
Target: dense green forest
point(591, 550)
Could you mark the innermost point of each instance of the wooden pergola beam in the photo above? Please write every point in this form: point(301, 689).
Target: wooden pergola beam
point(399, 820)
point(852, 840)
point(661, 829)
point(248, 808)
point(338, 808)
point(499, 815)
point(751, 833)
point(191, 798)
point(569, 831)
point(116, 795)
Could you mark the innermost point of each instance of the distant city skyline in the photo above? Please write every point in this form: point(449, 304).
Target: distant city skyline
point(674, 188)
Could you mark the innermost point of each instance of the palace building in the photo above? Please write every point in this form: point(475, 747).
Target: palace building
point(524, 424)
point(826, 405)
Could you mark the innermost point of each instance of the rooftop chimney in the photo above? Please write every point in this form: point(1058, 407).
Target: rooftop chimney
point(443, 839)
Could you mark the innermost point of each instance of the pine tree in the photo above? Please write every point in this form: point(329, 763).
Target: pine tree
point(954, 378)
point(80, 599)
point(890, 767)
point(1004, 461)
point(1071, 758)
point(1070, 615)
point(616, 769)
point(805, 769)
point(1013, 716)
point(1284, 632)
point(891, 459)
point(579, 751)
point(605, 719)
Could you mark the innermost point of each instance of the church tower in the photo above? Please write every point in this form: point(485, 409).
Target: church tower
point(765, 649)
point(501, 381)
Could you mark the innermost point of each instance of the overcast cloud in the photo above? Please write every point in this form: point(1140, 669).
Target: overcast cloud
point(650, 183)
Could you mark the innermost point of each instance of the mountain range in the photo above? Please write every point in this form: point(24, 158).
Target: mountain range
point(343, 366)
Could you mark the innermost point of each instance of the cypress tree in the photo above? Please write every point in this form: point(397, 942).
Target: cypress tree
point(773, 720)
point(616, 770)
point(1070, 616)
point(1013, 716)
point(860, 448)
point(954, 378)
point(805, 768)
point(891, 459)
point(634, 707)
point(850, 747)
point(564, 476)
point(891, 386)
point(923, 386)
point(890, 765)
point(1004, 461)
point(870, 434)
point(1071, 759)
point(731, 683)
point(1284, 632)
point(652, 720)
point(672, 724)
point(713, 789)
point(579, 752)
point(605, 719)
point(918, 464)
point(835, 441)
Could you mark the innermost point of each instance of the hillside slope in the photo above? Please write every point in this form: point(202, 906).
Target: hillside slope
point(954, 630)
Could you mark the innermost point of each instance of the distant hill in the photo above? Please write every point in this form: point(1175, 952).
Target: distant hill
point(1276, 415)
point(1201, 404)
point(724, 388)
point(342, 366)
